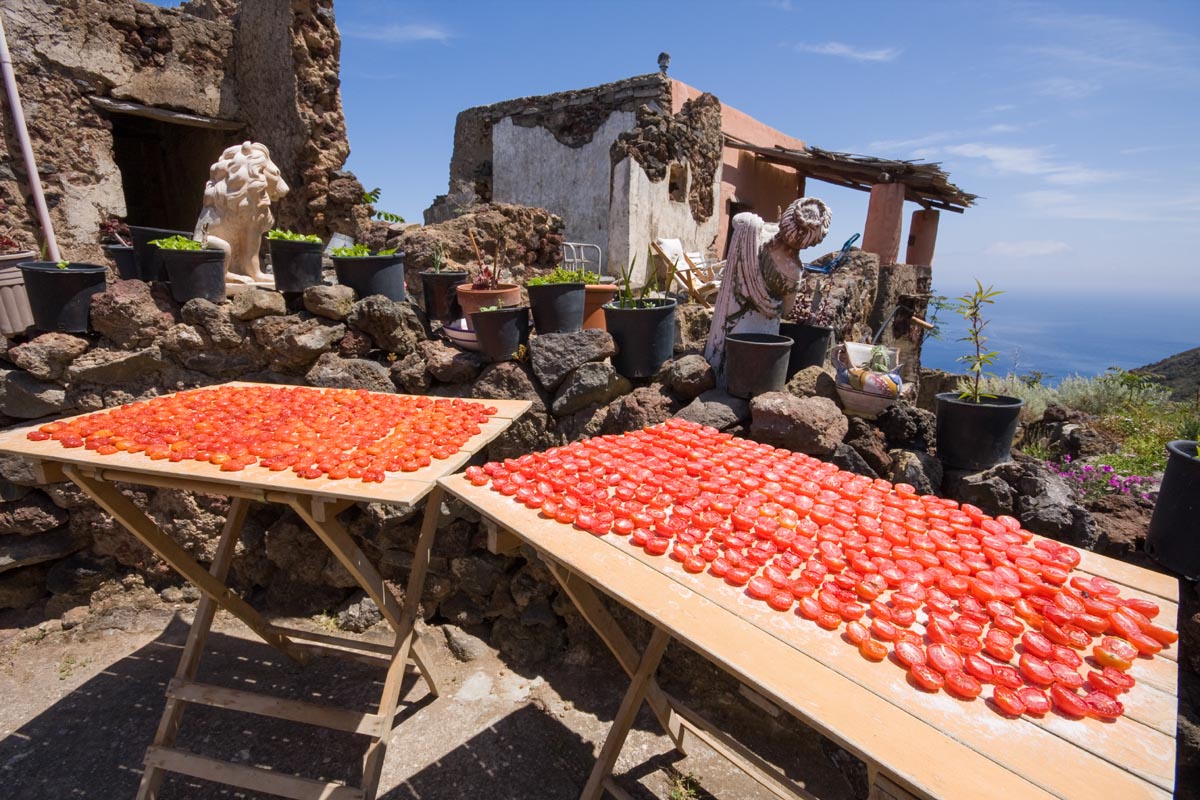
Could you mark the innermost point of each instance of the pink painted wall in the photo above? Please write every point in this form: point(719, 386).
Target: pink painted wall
point(765, 187)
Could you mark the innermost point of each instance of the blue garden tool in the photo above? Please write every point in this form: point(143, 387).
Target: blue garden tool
point(832, 266)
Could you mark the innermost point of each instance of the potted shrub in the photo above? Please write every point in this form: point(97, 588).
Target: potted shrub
point(1174, 537)
point(642, 327)
point(975, 429)
point(367, 273)
point(438, 289)
point(147, 257)
point(486, 290)
point(15, 314)
point(501, 330)
point(557, 300)
point(115, 241)
point(192, 269)
point(60, 293)
point(295, 259)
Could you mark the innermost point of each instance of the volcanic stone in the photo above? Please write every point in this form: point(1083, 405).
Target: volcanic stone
point(812, 425)
point(555, 355)
point(47, 356)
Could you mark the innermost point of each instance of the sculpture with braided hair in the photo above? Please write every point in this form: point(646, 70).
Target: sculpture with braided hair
point(237, 208)
point(763, 273)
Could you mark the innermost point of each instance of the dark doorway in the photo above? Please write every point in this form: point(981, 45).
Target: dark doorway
point(164, 167)
point(735, 208)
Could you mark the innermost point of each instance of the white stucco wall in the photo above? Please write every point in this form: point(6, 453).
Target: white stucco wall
point(642, 210)
point(530, 166)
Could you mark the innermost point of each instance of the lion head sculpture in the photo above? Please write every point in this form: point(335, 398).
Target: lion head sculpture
point(237, 208)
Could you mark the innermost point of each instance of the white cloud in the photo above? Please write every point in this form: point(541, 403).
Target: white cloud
point(1027, 249)
point(1066, 88)
point(1120, 47)
point(408, 32)
point(999, 109)
point(1004, 128)
point(1111, 207)
point(846, 51)
point(1027, 161)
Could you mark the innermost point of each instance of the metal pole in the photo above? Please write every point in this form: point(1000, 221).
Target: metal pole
point(31, 172)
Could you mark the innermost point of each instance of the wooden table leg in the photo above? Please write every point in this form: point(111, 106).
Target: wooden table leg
point(589, 605)
point(193, 650)
point(111, 500)
point(625, 715)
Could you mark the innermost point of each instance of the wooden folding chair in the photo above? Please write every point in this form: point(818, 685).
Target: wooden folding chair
point(683, 271)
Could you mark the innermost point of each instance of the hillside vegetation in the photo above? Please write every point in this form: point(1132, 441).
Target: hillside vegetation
point(1180, 372)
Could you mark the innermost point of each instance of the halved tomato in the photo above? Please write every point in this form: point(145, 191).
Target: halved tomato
point(1008, 701)
point(926, 678)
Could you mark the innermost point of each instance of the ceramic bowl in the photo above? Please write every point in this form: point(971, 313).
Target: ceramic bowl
point(461, 335)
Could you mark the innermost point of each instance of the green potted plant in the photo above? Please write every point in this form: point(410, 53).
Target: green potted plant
point(367, 273)
point(60, 293)
point(115, 242)
point(438, 288)
point(150, 266)
point(295, 259)
point(643, 327)
point(557, 300)
point(501, 330)
point(15, 314)
point(1174, 537)
point(486, 290)
point(975, 429)
point(192, 269)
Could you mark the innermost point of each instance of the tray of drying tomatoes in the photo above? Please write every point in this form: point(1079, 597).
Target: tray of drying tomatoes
point(961, 600)
point(316, 433)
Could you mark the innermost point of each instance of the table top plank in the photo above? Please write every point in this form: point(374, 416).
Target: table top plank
point(397, 487)
point(1084, 764)
point(1159, 586)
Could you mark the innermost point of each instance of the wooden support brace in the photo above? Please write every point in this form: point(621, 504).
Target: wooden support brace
point(501, 541)
point(338, 719)
point(252, 778)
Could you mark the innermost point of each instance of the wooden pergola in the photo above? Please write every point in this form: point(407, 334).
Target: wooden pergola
point(890, 183)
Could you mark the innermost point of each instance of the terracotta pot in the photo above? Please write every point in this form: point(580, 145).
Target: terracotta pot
point(593, 305)
point(471, 300)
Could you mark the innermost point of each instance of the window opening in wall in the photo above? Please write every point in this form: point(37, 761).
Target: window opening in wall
point(677, 183)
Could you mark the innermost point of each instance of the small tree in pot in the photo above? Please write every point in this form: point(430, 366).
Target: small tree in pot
point(438, 288)
point(975, 429)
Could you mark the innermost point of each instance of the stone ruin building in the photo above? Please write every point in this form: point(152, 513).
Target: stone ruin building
point(128, 104)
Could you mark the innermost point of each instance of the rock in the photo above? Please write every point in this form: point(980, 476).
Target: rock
point(480, 573)
point(111, 367)
point(254, 303)
point(47, 356)
point(1122, 521)
point(330, 302)
point(932, 383)
point(32, 514)
point(646, 405)
point(80, 573)
point(395, 327)
point(916, 468)
point(692, 323)
point(463, 646)
point(812, 425)
point(985, 490)
point(1045, 503)
point(17, 550)
point(15, 469)
point(870, 444)
point(847, 458)
point(461, 609)
point(509, 380)
point(331, 371)
point(358, 614)
point(293, 344)
point(410, 374)
point(592, 383)
point(530, 583)
point(215, 320)
point(526, 645)
point(555, 355)
point(171, 594)
point(10, 491)
point(355, 344)
point(449, 364)
point(812, 382)
point(529, 433)
point(25, 397)
point(691, 376)
point(182, 338)
point(716, 408)
point(1082, 441)
point(1060, 413)
point(584, 423)
point(21, 588)
point(129, 315)
point(907, 427)
point(193, 520)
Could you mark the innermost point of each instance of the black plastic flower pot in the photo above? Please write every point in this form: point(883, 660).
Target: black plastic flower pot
point(501, 332)
point(1174, 537)
point(644, 335)
point(148, 258)
point(61, 299)
point(756, 363)
point(440, 295)
point(810, 345)
point(295, 265)
point(558, 307)
point(369, 275)
point(195, 273)
point(976, 436)
point(124, 260)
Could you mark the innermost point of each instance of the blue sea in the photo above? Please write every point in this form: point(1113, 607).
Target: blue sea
point(1060, 333)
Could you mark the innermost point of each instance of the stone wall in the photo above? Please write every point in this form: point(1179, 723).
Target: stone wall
point(269, 66)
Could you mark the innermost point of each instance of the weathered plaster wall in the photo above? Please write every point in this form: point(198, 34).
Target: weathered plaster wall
point(532, 167)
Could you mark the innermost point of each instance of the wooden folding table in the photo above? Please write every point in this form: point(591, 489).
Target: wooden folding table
point(318, 502)
point(914, 744)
